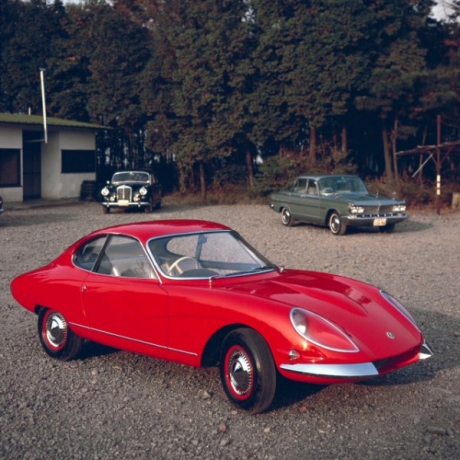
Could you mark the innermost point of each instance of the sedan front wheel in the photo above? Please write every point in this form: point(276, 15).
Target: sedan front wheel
point(247, 371)
point(336, 226)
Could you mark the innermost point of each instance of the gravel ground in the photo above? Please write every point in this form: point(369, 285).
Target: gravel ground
point(112, 404)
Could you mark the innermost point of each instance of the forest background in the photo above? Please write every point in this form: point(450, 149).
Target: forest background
point(239, 96)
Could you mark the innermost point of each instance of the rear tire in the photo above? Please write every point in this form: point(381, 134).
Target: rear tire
point(247, 371)
point(56, 337)
point(286, 217)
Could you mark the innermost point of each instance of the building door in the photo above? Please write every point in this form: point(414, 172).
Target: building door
point(32, 147)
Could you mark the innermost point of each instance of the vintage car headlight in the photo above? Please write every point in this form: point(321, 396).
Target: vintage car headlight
point(399, 208)
point(143, 191)
point(397, 304)
point(321, 332)
point(354, 209)
point(105, 191)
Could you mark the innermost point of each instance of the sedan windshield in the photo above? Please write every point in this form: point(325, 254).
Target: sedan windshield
point(342, 184)
point(130, 176)
point(205, 255)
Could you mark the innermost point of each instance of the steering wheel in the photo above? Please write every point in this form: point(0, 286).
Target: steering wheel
point(177, 265)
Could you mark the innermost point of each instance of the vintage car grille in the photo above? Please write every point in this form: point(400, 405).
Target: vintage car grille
point(124, 192)
point(378, 211)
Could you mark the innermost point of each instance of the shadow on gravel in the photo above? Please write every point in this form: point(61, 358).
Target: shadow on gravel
point(93, 350)
point(13, 220)
point(289, 393)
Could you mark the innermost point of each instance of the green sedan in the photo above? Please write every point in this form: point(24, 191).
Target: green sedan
point(338, 202)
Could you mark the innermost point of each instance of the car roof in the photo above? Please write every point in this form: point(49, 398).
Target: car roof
point(144, 231)
point(321, 176)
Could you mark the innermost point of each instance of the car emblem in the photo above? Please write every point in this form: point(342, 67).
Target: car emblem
point(390, 335)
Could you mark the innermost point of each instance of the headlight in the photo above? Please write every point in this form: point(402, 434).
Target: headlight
point(399, 208)
point(105, 191)
point(397, 304)
point(143, 191)
point(353, 209)
point(321, 332)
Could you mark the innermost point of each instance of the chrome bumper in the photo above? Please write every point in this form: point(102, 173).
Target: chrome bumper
point(359, 370)
point(369, 220)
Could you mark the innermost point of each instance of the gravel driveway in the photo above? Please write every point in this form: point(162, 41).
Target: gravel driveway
point(112, 404)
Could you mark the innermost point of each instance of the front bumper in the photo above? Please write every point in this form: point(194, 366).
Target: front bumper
point(374, 220)
point(348, 371)
point(125, 204)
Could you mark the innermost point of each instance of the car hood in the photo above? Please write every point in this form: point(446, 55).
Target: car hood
point(367, 200)
point(356, 307)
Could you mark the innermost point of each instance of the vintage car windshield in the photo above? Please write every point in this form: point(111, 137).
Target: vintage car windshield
point(342, 184)
point(204, 255)
point(130, 176)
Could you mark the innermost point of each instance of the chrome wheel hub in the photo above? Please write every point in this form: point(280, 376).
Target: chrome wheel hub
point(240, 373)
point(56, 330)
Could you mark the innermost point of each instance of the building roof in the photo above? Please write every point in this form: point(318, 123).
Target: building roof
point(37, 120)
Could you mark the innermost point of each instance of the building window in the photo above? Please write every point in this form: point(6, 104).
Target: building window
point(78, 161)
point(10, 167)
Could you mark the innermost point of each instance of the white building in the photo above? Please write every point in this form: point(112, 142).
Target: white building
point(31, 168)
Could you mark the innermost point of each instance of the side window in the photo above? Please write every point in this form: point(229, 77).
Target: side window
point(87, 254)
point(312, 188)
point(300, 186)
point(125, 257)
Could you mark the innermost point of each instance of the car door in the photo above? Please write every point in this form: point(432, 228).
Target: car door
point(296, 198)
point(312, 202)
point(124, 303)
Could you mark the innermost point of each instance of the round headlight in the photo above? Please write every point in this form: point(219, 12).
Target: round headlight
point(105, 191)
point(143, 191)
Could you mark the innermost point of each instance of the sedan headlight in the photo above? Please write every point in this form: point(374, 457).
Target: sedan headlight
point(399, 208)
point(321, 332)
point(354, 209)
point(105, 191)
point(397, 304)
point(143, 191)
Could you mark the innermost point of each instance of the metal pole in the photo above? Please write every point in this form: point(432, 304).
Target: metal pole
point(42, 80)
point(438, 165)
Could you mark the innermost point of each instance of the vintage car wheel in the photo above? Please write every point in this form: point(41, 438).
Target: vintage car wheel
point(336, 226)
point(105, 209)
point(286, 217)
point(247, 371)
point(56, 337)
point(389, 228)
point(148, 209)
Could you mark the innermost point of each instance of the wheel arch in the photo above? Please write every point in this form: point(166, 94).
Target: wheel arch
point(211, 352)
point(328, 215)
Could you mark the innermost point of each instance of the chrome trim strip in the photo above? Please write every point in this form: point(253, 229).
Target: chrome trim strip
point(334, 370)
point(134, 340)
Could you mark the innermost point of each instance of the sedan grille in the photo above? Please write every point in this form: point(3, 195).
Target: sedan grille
point(124, 192)
point(378, 211)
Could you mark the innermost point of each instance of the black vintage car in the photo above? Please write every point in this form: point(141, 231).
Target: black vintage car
point(131, 189)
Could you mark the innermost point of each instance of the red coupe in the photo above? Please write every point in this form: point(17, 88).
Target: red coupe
point(196, 293)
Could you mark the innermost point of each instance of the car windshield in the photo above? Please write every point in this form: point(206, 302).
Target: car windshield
point(206, 255)
point(342, 184)
point(130, 176)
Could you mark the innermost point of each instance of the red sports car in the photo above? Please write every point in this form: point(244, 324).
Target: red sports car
point(196, 293)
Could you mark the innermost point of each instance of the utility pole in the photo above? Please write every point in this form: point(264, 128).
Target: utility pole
point(438, 165)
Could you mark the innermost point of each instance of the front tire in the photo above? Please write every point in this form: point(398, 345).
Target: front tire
point(336, 226)
point(286, 217)
point(247, 371)
point(105, 209)
point(56, 337)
